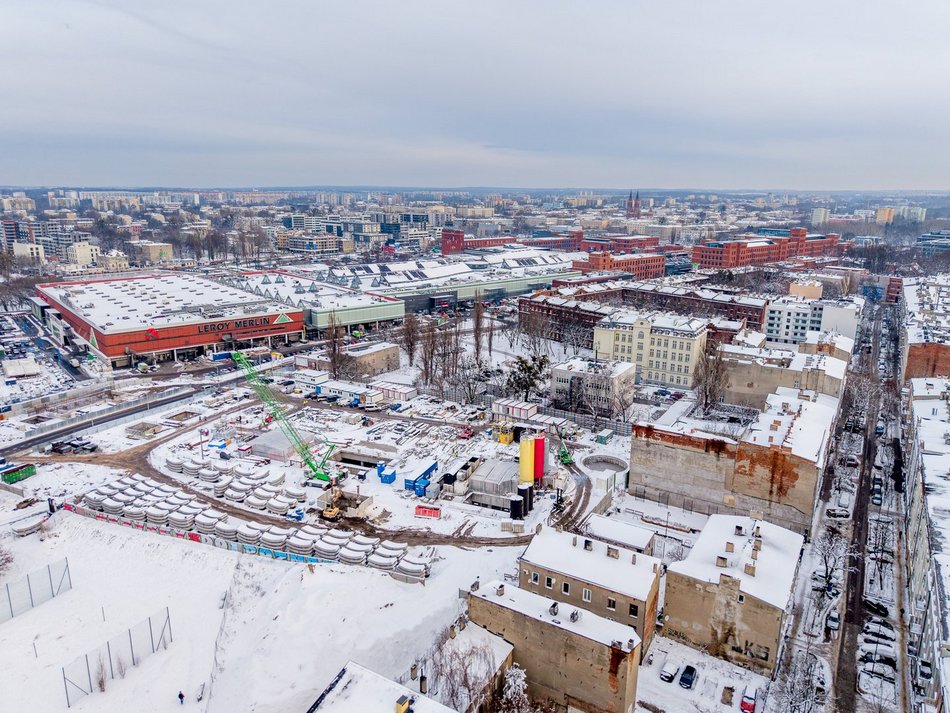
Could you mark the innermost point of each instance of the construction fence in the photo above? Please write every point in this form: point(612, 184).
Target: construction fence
point(34, 589)
point(91, 672)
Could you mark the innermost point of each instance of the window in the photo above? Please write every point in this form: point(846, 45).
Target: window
point(586, 594)
point(566, 588)
point(549, 582)
point(611, 604)
point(634, 610)
point(742, 599)
point(535, 578)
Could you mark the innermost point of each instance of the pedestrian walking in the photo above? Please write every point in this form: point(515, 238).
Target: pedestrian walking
point(181, 697)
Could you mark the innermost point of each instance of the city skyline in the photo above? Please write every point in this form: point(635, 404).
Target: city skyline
point(366, 94)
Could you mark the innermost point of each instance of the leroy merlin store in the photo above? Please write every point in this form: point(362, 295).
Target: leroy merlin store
point(160, 317)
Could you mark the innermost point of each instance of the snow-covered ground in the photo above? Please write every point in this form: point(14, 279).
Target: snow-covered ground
point(714, 676)
point(281, 637)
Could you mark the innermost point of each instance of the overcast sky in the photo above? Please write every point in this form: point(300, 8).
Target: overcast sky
point(810, 94)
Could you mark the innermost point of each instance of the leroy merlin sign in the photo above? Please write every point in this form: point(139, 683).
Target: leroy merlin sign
point(232, 325)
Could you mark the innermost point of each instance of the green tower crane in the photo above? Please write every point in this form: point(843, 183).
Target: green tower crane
point(269, 401)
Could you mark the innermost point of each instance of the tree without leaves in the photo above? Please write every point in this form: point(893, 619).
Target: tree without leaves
point(341, 363)
point(459, 676)
point(833, 552)
point(478, 325)
point(6, 559)
point(467, 379)
point(490, 336)
point(428, 346)
point(711, 380)
point(409, 336)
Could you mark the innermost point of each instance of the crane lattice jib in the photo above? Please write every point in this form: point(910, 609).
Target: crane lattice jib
point(269, 401)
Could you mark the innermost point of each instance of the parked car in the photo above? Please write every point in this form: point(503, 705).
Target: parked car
point(688, 677)
point(669, 671)
point(749, 696)
point(838, 513)
point(834, 620)
point(879, 631)
point(876, 499)
point(876, 608)
point(884, 623)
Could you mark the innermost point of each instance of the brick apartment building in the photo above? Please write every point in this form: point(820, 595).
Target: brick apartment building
point(641, 266)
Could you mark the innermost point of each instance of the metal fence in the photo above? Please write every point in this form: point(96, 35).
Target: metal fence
point(34, 589)
point(91, 672)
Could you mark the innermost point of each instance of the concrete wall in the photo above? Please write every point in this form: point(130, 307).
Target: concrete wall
point(563, 667)
point(750, 383)
point(719, 475)
point(710, 616)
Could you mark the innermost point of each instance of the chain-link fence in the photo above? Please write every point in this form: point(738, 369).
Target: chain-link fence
point(91, 672)
point(34, 589)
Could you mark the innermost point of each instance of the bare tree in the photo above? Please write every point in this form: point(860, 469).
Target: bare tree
point(6, 559)
point(428, 346)
point(711, 380)
point(833, 552)
point(460, 674)
point(467, 379)
point(409, 336)
point(795, 692)
point(341, 363)
point(574, 336)
point(623, 398)
point(478, 325)
point(532, 332)
point(490, 336)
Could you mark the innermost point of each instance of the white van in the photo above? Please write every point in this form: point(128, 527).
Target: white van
point(844, 500)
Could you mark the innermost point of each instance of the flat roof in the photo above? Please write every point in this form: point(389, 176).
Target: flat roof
point(630, 573)
point(614, 530)
point(157, 300)
point(587, 625)
point(356, 689)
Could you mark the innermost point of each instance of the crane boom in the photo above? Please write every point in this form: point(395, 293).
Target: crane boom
point(269, 401)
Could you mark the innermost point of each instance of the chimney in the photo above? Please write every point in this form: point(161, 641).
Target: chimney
point(757, 543)
point(423, 684)
point(720, 561)
point(575, 615)
point(588, 545)
point(633, 558)
point(631, 644)
point(500, 590)
point(749, 569)
point(730, 547)
point(758, 531)
point(574, 541)
point(740, 530)
point(613, 553)
point(552, 610)
point(656, 568)
point(755, 554)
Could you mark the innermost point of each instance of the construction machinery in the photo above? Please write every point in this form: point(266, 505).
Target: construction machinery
point(564, 453)
point(272, 406)
point(504, 432)
point(331, 510)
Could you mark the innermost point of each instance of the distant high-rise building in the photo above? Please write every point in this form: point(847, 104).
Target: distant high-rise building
point(884, 216)
point(820, 216)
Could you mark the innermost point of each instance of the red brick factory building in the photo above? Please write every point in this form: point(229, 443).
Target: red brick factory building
point(160, 317)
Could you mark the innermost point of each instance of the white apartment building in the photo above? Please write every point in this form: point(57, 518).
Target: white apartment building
point(600, 387)
point(788, 320)
point(83, 253)
point(663, 347)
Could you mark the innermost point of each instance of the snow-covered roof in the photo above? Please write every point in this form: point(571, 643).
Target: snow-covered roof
point(839, 340)
point(588, 625)
point(832, 366)
point(359, 690)
point(928, 387)
point(582, 365)
point(157, 300)
point(630, 573)
point(791, 420)
point(610, 529)
point(775, 565)
point(927, 309)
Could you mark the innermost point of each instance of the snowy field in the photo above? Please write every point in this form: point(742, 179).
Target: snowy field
point(282, 635)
